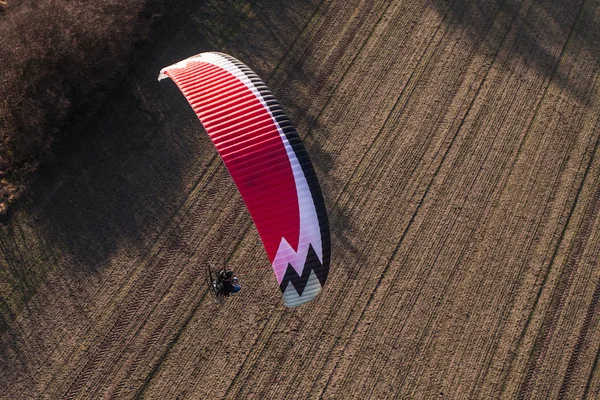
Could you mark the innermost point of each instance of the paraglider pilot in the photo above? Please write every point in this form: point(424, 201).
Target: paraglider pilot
point(230, 283)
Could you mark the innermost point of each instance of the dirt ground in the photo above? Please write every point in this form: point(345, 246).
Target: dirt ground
point(456, 143)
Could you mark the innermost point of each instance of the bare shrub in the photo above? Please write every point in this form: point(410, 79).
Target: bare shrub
point(58, 59)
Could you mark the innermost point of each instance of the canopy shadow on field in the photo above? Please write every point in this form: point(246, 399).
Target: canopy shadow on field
point(544, 30)
point(123, 173)
point(118, 181)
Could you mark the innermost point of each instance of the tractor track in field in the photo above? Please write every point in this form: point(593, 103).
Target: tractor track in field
point(140, 292)
point(565, 280)
point(551, 195)
point(412, 218)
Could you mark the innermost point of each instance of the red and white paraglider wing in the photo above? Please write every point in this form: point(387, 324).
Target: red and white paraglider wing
point(269, 164)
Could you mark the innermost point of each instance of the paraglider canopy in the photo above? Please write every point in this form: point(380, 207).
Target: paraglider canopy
point(268, 163)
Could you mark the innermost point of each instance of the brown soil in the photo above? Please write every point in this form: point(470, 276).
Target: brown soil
point(457, 146)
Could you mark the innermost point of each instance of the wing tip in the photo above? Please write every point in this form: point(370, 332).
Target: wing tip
point(291, 299)
point(163, 74)
point(182, 64)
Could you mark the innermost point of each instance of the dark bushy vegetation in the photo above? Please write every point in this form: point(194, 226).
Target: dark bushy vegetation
point(58, 59)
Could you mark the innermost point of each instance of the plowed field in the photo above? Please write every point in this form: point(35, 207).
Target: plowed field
point(456, 143)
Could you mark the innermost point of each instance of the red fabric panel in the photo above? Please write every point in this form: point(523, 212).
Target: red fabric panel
point(249, 143)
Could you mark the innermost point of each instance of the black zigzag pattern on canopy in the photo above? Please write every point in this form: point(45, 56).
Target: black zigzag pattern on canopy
point(312, 263)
